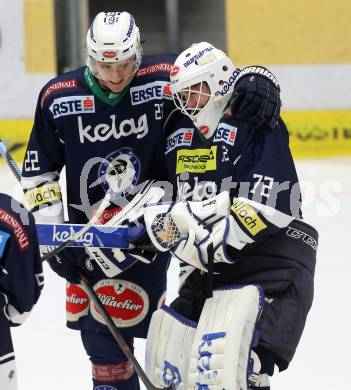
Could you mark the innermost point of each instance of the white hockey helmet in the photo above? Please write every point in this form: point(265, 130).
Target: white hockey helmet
point(113, 37)
point(202, 64)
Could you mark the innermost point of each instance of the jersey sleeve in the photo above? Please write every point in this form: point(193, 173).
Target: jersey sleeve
point(269, 196)
point(21, 271)
point(42, 165)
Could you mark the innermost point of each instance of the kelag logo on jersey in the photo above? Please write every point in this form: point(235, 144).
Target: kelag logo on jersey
point(120, 171)
point(225, 133)
point(182, 137)
point(196, 160)
point(72, 105)
point(104, 131)
point(146, 92)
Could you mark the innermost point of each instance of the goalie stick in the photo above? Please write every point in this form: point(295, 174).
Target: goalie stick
point(89, 289)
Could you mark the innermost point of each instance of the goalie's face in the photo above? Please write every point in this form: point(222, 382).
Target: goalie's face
point(114, 76)
point(194, 98)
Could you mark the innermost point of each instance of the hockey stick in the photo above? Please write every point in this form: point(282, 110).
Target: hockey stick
point(92, 294)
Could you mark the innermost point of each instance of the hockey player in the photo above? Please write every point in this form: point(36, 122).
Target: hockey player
point(104, 123)
point(238, 197)
point(21, 279)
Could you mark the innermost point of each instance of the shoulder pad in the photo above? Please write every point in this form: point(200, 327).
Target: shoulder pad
point(69, 80)
point(156, 65)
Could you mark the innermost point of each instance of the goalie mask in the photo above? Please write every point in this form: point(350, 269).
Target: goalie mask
point(113, 44)
point(202, 82)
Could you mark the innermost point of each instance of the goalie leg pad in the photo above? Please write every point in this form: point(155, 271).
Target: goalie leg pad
point(168, 347)
point(223, 339)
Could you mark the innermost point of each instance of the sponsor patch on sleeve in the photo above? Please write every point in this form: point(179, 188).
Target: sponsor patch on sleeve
point(248, 217)
point(161, 67)
point(56, 86)
point(47, 193)
point(225, 133)
point(19, 232)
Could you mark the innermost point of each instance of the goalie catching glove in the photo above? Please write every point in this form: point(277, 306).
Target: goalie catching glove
point(188, 228)
point(256, 97)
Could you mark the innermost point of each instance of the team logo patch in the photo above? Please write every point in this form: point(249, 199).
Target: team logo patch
point(225, 133)
point(146, 92)
point(47, 193)
point(196, 160)
point(104, 387)
point(182, 137)
point(70, 105)
point(56, 86)
point(77, 302)
point(17, 228)
point(120, 172)
point(3, 239)
point(248, 217)
point(126, 302)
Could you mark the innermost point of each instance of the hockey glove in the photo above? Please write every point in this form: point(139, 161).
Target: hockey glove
point(69, 264)
point(189, 228)
point(256, 97)
point(114, 261)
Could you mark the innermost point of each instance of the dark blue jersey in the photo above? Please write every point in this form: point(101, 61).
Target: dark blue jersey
point(87, 130)
point(105, 141)
point(275, 249)
point(21, 272)
point(255, 167)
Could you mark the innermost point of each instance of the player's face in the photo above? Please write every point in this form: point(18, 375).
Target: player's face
point(197, 96)
point(115, 76)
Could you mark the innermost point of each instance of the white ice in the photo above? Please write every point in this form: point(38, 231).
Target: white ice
point(49, 356)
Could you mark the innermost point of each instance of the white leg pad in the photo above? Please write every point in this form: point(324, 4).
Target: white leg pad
point(222, 342)
point(168, 346)
point(8, 375)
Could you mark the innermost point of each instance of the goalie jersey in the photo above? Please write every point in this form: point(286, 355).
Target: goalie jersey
point(254, 166)
point(275, 248)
